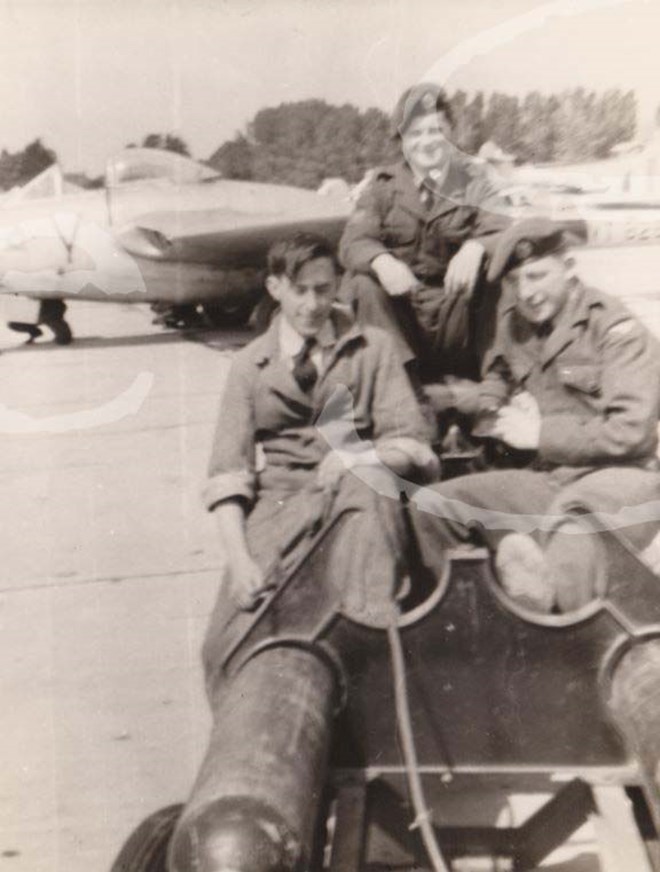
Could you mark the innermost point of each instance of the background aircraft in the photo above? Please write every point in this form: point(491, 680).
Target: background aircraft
point(618, 197)
point(613, 205)
point(165, 229)
point(162, 229)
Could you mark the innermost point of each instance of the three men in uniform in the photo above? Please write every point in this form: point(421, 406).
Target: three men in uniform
point(571, 379)
point(569, 376)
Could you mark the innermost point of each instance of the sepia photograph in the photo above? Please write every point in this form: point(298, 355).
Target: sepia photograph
point(330, 366)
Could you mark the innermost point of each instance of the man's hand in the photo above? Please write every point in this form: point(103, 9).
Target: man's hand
point(519, 423)
point(330, 471)
point(463, 269)
point(246, 580)
point(395, 276)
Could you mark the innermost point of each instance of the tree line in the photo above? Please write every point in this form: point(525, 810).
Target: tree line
point(304, 142)
point(20, 167)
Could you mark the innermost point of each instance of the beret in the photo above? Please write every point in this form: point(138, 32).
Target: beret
point(419, 100)
point(525, 240)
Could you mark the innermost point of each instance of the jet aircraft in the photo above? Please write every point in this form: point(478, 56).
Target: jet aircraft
point(163, 229)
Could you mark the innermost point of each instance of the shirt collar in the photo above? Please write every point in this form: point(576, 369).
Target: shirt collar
point(433, 180)
point(290, 341)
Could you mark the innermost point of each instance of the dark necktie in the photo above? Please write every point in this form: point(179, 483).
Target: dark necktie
point(304, 369)
point(426, 196)
point(544, 330)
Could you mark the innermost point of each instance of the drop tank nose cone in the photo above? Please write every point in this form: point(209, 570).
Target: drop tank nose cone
point(234, 836)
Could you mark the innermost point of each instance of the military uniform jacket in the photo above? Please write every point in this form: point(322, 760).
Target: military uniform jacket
point(264, 406)
point(595, 377)
point(390, 217)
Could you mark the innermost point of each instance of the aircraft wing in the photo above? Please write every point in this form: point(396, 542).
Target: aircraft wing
point(226, 238)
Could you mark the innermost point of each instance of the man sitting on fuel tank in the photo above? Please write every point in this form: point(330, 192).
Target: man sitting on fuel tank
point(572, 378)
point(314, 380)
point(416, 246)
point(278, 388)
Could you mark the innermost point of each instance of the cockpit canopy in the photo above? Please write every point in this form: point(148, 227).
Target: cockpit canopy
point(149, 164)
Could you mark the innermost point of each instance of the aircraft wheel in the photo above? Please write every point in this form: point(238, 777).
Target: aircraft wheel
point(236, 315)
point(145, 850)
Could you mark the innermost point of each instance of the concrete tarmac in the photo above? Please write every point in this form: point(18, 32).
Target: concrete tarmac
point(109, 571)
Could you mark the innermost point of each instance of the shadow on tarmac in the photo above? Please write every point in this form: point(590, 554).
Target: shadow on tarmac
point(218, 340)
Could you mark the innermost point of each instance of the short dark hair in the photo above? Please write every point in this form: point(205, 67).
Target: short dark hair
point(287, 256)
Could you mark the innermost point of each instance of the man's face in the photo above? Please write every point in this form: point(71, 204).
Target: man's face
point(541, 288)
point(425, 142)
point(307, 299)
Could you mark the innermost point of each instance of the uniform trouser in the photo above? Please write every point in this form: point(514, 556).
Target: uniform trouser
point(444, 333)
point(366, 554)
point(567, 519)
point(363, 558)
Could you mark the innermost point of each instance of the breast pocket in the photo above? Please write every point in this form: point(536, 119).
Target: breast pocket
point(400, 229)
point(584, 378)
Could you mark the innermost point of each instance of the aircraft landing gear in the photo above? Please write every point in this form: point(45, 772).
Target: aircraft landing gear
point(181, 317)
point(32, 330)
point(189, 316)
point(51, 314)
point(228, 315)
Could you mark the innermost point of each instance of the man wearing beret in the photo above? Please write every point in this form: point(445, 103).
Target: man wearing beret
point(573, 379)
point(416, 245)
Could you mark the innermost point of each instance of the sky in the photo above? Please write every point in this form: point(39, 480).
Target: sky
point(90, 76)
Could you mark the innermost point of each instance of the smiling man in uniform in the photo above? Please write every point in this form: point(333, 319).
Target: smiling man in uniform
point(572, 378)
point(417, 245)
point(278, 388)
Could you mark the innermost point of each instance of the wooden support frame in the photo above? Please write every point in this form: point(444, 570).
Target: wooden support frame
point(348, 843)
point(553, 824)
point(621, 845)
